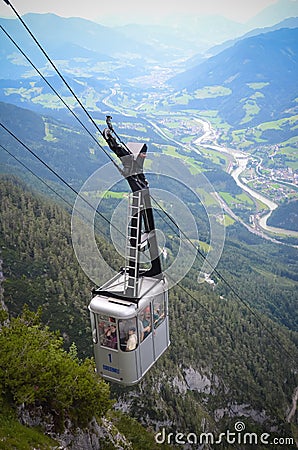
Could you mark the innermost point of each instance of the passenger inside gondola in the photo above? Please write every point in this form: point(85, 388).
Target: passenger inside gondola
point(110, 336)
point(108, 332)
point(132, 340)
point(158, 311)
point(128, 334)
point(146, 322)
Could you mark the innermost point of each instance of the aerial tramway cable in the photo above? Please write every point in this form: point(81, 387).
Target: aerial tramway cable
point(66, 201)
point(197, 250)
point(49, 187)
point(54, 172)
point(61, 77)
point(60, 98)
point(91, 206)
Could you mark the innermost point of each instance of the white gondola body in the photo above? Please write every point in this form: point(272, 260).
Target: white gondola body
point(129, 313)
point(119, 362)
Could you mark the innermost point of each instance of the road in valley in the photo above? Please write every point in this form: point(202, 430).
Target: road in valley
point(240, 161)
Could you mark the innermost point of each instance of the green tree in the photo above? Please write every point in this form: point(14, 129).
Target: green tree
point(36, 370)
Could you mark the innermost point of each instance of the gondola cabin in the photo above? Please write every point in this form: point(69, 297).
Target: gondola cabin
point(129, 314)
point(129, 337)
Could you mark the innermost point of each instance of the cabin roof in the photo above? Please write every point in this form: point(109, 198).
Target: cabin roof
point(109, 299)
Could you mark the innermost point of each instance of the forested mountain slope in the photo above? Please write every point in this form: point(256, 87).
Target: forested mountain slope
point(224, 363)
point(40, 265)
point(67, 150)
point(46, 380)
point(287, 214)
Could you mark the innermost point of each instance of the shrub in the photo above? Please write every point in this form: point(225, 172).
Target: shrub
point(36, 370)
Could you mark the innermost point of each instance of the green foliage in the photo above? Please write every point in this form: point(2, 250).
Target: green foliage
point(265, 275)
point(3, 316)
point(285, 216)
point(36, 370)
point(140, 438)
point(40, 265)
point(222, 181)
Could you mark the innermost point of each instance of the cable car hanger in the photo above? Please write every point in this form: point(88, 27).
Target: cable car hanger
point(129, 313)
point(141, 227)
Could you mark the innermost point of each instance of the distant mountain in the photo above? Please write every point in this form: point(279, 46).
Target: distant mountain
point(70, 51)
point(75, 37)
point(66, 46)
point(81, 32)
point(170, 39)
point(274, 14)
point(258, 74)
point(292, 22)
point(198, 33)
point(189, 35)
point(69, 34)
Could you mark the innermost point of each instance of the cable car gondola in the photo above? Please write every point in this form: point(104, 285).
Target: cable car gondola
point(129, 313)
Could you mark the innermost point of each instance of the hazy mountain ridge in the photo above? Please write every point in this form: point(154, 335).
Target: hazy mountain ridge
point(291, 22)
point(93, 39)
point(273, 13)
point(269, 57)
point(262, 68)
point(76, 37)
point(189, 35)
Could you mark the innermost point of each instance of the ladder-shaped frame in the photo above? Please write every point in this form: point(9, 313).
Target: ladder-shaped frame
point(133, 243)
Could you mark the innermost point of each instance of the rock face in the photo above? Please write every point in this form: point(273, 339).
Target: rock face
point(97, 436)
point(243, 410)
point(196, 381)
